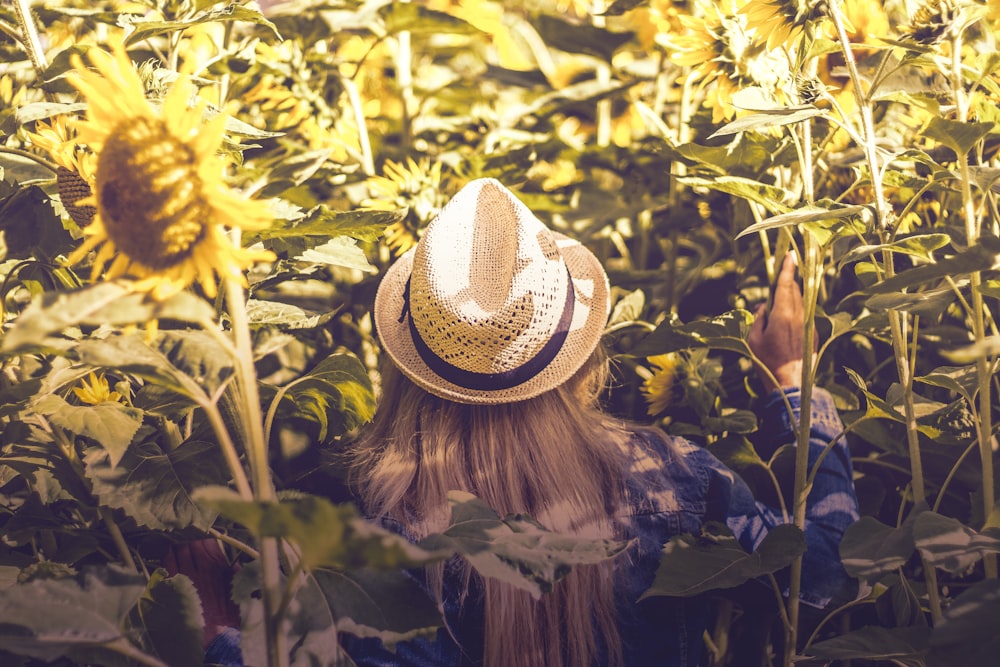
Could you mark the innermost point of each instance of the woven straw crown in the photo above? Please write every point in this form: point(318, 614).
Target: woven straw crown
point(491, 306)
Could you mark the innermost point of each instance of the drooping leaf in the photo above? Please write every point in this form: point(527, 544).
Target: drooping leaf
point(170, 616)
point(50, 618)
point(388, 604)
point(725, 332)
point(341, 251)
point(138, 28)
point(987, 347)
point(871, 549)
point(968, 635)
point(515, 549)
point(628, 308)
point(102, 303)
point(580, 38)
point(417, 19)
point(808, 213)
point(336, 393)
point(928, 304)
point(980, 257)
point(285, 316)
point(766, 118)
point(30, 225)
point(771, 197)
point(949, 544)
point(920, 245)
point(956, 135)
point(326, 534)
point(110, 423)
point(293, 171)
point(693, 564)
point(874, 643)
point(155, 487)
point(190, 363)
point(319, 224)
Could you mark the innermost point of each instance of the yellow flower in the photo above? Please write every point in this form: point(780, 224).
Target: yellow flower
point(415, 186)
point(96, 390)
point(162, 204)
point(77, 167)
point(782, 21)
point(658, 385)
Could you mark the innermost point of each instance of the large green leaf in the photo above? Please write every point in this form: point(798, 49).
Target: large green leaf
point(326, 534)
point(138, 28)
point(949, 544)
point(871, 549)
point(341, 251)
point(725, 332)
point(155, 487)
point(580, 37)
point(968, 634)
point(414, 18)
point(515, 549)
point(694, 564)
point(110, 423)
point(261, 313)
point(808, 213)
point(921, 246)
point(981, 257)
point(906, 645)
point(169, 614)
point(102, 303)
point(336, 393)
point(294, 236)
point(30, 225)
point(956, 135)
point(190, 363)
point(767, 118)
point(50, 618)
point(388, 604)
point(771, 197)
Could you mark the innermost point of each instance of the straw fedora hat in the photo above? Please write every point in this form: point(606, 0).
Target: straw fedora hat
point(491, 306)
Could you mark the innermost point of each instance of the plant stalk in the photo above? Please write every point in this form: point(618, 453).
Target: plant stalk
point(32, 43)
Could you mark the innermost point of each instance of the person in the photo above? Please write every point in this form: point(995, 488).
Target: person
point(491, 330)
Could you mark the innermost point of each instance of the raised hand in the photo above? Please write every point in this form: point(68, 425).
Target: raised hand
point(776, 336)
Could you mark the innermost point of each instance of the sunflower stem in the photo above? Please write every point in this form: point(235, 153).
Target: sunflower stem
point(31, 42)
point(246, 377)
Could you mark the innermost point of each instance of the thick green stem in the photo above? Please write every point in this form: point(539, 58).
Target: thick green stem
point(984, 366)
point(253, 426)
point(30, 40)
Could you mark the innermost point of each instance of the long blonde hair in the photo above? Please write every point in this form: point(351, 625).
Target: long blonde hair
point(557, 457)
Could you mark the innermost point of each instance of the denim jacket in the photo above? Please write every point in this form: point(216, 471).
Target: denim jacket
point(674, 487)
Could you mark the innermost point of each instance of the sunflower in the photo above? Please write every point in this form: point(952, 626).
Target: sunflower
point(95, 389)
point(76, 170)
point(658, 385)
point(162, 205)
point(415, 186)
point(783, 21)
point(931, 21)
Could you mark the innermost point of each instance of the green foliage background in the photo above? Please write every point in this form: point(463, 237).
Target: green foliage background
point(688, 153)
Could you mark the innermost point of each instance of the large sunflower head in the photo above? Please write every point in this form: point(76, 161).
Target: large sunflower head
point(162, 204)
point(783, 21)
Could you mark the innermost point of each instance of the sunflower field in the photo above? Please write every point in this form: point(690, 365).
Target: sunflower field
point(197, 199)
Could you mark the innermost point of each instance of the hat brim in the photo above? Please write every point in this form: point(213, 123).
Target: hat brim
point(593, 303)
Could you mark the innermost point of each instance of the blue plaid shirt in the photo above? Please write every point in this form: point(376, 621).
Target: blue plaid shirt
point(674, 487)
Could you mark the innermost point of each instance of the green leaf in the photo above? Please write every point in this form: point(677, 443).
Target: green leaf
point(156, 488)
point(769, 196)
point(963, 380)
point(417, 19)
point(870, 549)
point(33, 111)
point(102, 303)
point(292, 171)
point(341, 251)
point(389, 604)
point(922, 246)
point(337, 393)
point(725, 332)
point(628, 308)
point(767, 118)
point(49, 618)
point(945, 542)
point(981, 257)
point(693, 564)
point(30, 225)
point(326, 534)
point(515, 550)
point(285, 316)
point(293, 237)
point(580, 38)
point(959, 136)
point(968, 633)
point(929, 303)
point(189, 363)
point(110, 423)
point(170, 616)
point(987, 347)
point(808, 213)
point(138, 28)
point(874, 643)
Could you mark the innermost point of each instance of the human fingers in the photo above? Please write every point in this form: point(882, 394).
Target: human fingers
point(787, 295)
